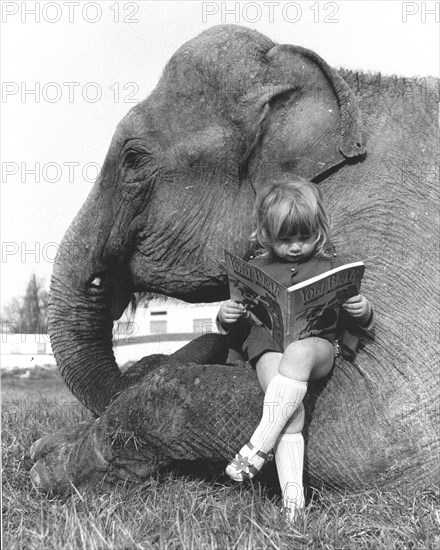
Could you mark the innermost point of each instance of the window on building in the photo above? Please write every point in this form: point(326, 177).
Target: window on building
point(41, 347)
point(203, 325)
point(158, 322)
point(16, 347)
point(158, 326)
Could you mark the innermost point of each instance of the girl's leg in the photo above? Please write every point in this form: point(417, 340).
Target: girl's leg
point(302, 360)
point(285, 378)
point(267, 367)
point(308, 359)
point(289, 459)
point(289, 447)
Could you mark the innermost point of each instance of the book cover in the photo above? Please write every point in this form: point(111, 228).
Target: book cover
point(309, 308)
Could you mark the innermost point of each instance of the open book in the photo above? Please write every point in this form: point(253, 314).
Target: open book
point(310, 308)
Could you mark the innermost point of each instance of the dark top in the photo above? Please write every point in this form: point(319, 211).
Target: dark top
point(291, 273)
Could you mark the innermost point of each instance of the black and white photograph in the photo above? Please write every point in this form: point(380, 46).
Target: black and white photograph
point(143, 403)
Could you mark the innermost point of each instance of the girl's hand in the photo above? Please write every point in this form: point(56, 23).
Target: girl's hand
point(230, 312)
point(358, 307)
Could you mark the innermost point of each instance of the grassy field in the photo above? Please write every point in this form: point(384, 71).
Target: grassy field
point(182, 510)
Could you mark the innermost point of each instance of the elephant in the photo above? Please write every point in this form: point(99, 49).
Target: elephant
point(232, 111)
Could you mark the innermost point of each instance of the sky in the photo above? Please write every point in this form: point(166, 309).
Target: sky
point(71, 70)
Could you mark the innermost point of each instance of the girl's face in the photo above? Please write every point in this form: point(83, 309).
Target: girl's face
point(297, 247)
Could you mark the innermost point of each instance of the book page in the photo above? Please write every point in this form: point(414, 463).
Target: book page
point(263, 297)
point(316, 304)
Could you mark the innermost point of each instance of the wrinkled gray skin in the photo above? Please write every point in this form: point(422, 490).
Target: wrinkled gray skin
point(231, 111)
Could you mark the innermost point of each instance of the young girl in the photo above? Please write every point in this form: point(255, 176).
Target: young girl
point(293, 229)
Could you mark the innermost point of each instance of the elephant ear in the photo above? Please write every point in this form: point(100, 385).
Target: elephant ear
point(305, 121)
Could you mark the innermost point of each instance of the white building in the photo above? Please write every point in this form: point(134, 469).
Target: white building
point(163, 326)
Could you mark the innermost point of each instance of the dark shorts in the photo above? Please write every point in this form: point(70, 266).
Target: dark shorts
point(259, 341)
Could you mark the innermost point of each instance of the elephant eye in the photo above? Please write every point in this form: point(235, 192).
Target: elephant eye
point(137, 165)
point(133, 159)
point(96, 282)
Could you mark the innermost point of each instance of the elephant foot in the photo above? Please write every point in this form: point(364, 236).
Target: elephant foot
point(85, 456)
point(70, 457)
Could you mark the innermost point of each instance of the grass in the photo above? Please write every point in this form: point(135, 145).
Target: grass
point(182, 510)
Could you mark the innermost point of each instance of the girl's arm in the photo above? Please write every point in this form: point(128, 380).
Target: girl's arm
point(229, 313)
point(360, 309)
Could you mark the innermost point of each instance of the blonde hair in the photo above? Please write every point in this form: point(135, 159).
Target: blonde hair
point(287, 208)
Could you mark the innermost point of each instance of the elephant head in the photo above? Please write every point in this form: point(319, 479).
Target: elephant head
point(231, 110)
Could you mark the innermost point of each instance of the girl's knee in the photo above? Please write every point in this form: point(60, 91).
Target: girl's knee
point(310, 348)
point(296, 363)
point(311, 357)
point(298, 351)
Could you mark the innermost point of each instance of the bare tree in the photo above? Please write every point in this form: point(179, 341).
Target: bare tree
point(28, 314)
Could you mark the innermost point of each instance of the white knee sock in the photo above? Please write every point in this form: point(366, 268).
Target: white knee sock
point(282, 397)
point(289, 458)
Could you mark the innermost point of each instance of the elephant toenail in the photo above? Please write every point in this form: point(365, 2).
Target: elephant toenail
point(39, 476)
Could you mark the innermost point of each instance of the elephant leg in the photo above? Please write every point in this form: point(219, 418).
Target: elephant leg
point(179, 412)
point(83, 455)
point(208, 349)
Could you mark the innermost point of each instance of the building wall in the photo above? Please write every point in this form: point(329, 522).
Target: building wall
point(168, 318)
point(162, 327)
point(25, 344)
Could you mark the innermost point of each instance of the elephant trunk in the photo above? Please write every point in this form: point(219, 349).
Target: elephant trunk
point(81, 338)
point(84, 300)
